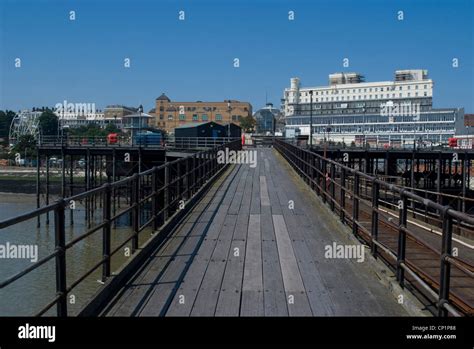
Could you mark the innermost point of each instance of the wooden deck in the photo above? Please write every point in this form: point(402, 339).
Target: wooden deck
point(243, 252)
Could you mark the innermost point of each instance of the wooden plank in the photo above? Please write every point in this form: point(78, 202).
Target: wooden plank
point(274, 297)
point(295, 292)
point(239, 193)
point(229, 296)
point(191, 232)
point(264, 198)
point(252, 287)
point(207, 297)
point(183, 302)
point(255, 192)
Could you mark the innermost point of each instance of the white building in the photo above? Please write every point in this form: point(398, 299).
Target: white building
point(352, 110)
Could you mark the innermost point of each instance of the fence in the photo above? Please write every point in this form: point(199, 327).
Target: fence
point(342, 186)
point(149, 197)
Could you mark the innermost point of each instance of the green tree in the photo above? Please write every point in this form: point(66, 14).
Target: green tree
point(6, 118)
point(93, 130)
point(247, 123)
point(48, 122)
point(26, 145)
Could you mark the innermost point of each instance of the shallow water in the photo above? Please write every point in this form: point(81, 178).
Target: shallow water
point(29, 294)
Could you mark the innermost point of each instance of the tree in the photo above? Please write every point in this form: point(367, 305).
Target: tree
point(48, 122)
point(6, 118)
point(93, 130)
point(26, 145)
point(248, 123)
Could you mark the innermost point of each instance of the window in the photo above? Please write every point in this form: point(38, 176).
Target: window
point(218, 117)
point(162, 116)
point(170, 117)
point(234, 118)
point(408, 94)
point(409, 86)
point(400, 88)
point(416, 87)
point(204, 117)
point(182, 117)
point(195, 117)
point(425, 94)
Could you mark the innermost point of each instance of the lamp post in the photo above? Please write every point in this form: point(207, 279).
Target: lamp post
point(140, 111)
point(229, 108)
point(311, 119)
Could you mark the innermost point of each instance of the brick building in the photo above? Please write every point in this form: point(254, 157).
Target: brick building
point(170, 114)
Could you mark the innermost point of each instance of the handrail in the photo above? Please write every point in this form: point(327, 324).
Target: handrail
point(316, 169)
point(128, 141)
point(177, 179)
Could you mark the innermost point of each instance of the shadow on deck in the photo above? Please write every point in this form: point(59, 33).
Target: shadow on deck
point(244, 251)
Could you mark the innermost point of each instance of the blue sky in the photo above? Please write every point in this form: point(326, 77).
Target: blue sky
point(82, 60)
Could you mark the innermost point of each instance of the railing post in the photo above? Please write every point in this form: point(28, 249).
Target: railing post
point(343, 194)
point(445, 271)
point(402, 238)
point(375, 216)
point(355, 205)
point(324, 184)
point(106, 213)
point(60, 242)
point(178, 180)
point(193, 174)
point(154, 200)
point(318, 176)
point(186, 179)
point(136, 210)
point(166, 193)
point(333, 186)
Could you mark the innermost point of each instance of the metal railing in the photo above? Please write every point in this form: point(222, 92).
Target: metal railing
point(324, 176)
point(127, 141)
point(159, 191)
point(196, 142)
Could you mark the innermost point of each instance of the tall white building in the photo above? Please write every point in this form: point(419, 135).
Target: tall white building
point(352, 110)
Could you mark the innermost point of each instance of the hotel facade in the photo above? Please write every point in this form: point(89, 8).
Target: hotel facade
point(397, 112)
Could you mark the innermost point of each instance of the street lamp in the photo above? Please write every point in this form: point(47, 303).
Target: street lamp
point(140, 111)
point(229, 108)
point(311, 119)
